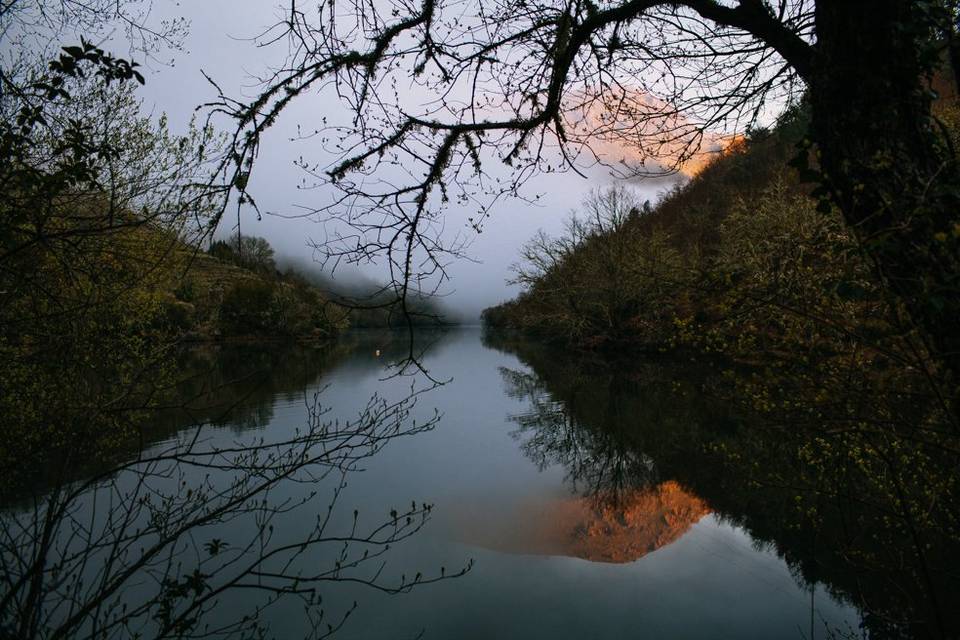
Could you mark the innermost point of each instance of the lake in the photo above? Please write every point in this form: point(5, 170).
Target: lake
point(581, 495)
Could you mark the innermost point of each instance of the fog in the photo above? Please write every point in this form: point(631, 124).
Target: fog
point(220, 44)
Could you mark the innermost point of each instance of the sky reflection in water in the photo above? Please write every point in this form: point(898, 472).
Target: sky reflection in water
point(650, 561)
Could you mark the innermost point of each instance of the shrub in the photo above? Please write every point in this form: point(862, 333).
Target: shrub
point(248, 308)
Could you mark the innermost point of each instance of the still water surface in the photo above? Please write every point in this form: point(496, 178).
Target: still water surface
point(579, 496)
point(567, 541)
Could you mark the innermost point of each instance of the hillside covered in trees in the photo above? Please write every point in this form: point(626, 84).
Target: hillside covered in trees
point(743, 259)
point(236, 289)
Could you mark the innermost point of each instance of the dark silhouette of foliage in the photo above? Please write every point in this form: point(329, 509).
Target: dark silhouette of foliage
point(848, 478)
point(148, 547)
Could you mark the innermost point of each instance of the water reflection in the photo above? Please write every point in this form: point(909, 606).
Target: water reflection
point(621, 426)
point(208, 530)
point(601, 500)
point(237, 385)
point(598, 462)
point(637, 523)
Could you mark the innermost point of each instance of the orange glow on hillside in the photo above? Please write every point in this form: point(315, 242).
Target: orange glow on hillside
point(635, 132)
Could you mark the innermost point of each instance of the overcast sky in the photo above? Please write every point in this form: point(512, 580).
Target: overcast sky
point(219, 44)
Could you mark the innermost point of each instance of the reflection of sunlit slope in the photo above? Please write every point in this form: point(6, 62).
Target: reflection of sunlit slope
point(638, 523)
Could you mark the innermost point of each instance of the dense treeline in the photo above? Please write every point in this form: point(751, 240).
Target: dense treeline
point(235, 291)
point(740, 260)
point(95, 202)
point(630, 273)
point(244, 292)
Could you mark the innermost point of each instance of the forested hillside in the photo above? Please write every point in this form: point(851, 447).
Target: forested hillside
point(224, 294)
point(742, 259)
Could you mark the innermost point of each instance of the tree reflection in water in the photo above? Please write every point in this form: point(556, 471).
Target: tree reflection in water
point(869, 513)
point(598, 465)
point(202, 535)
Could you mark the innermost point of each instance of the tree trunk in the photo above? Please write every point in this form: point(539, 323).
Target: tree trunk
point(884, 159)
